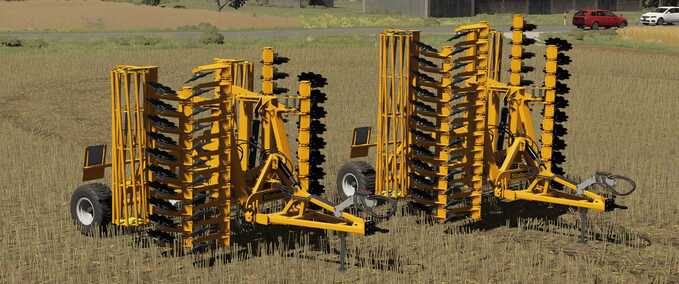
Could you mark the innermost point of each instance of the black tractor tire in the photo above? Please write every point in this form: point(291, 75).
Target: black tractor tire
point(355, 176)
point(595, 26)
point(91, 208)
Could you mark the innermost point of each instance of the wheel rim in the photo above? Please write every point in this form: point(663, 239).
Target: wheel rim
point(349, 184)
point(84, 211)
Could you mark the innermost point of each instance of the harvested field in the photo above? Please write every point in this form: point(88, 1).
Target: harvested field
point(623, 118)
point(81, 15)
point(656, 35)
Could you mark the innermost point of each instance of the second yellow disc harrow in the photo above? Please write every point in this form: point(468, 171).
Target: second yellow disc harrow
point(450, 133)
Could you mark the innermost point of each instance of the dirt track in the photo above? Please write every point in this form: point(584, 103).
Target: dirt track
point(290, 32)
point(79, 15)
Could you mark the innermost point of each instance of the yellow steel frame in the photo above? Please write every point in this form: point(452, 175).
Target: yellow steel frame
point(273, 173)
point(391, 169)
point(128, 177)
point(230, 112)
point(547, 136)
point(472, 119)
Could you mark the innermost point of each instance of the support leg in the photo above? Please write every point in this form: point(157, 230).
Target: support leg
point(343, 251)
point(583, 225)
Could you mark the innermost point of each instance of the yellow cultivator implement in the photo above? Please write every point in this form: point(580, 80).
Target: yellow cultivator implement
point(186, 162)
point(450, 133)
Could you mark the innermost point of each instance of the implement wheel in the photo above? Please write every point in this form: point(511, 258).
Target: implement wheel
point(355, 176)
point(91, 208)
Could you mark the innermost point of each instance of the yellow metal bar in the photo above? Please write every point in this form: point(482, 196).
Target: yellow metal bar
point(187, 153)
point(304, 136)
point(381, 97)
point(267, 71)
point(479, 121)
point(443, 137)
point(550, 96)
point(279, 219)
point(597, 204)
point(115, 214)
point(516, 50)
point(225, 129)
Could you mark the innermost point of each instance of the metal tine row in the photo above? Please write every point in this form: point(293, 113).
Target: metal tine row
point(200, 164)
point(460, 116)
point(425, 101)
point(164, 216)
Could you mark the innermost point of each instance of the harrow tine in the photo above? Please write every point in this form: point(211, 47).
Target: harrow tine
point(160, 236)
point(200, 179)
point(197, 76)
point(453, 203)
point(460, 79)
point(426, 47)
point(160, 171)
point(421, 194)
point(161, 106)
point(162, 188)
point(459, 65)
point(203, 214)
point(422, 151)
point(420, 106)
point(527, 82)
point(201, 127)
point(199, 198)
point(424, 92)
point(199, 110)
point(200, 248)
point(420, 121)
point(453, 189)
point(459, 110)
point(199, 146)
point(420, 207)
point(162, 89)
point(161, 138)
point(460, 95)
point(459, 35)
point(426, 62)
point(419, 135)
point(200, 92)
point(456, 141)
point(161, 155)
point(452, 217)
point(162, 220)
point(421, 165)
point(455, 157)
point(422, 180)
point(425, 77)
point(455, 172)
point(164, 204)
point(200, 231)
point(161, 122)
point(461, 49)
point(199, 163)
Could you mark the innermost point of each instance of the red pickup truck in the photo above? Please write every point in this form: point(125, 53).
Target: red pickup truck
point(595, 19)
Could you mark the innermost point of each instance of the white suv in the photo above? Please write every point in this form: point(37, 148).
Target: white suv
point(661, 16)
